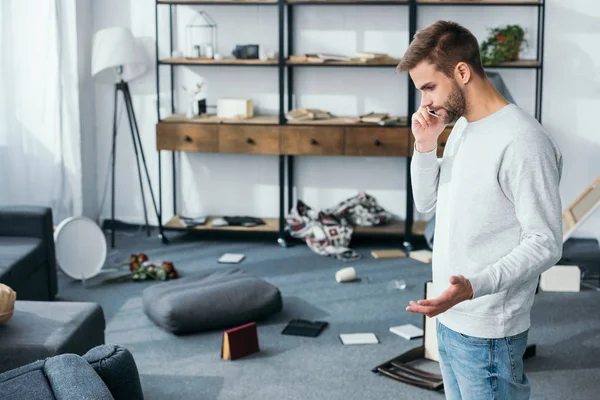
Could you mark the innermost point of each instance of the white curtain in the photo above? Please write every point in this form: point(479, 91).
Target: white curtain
point(40, 142)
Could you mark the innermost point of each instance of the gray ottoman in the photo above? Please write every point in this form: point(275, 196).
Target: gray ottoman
point(42, 329)
point(216, 299)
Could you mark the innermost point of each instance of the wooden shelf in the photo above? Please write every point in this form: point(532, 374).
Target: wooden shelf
point(481, 2)
point(213, 119)
point(395, 227)
point(517, 64)
point(387, 62)
point(274, 120)
point(347, 121)
point(210, 61)
point(272, 225)
point(351, 2)
point(203, 2)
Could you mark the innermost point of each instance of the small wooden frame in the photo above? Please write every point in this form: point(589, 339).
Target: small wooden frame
point(581, 209)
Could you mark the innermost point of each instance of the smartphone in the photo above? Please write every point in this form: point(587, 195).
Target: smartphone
point(432, 113)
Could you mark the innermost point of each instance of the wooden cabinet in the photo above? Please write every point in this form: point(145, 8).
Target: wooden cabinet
point(249, 139)
point(187, 137)
point(369, 141)
point(312, 140)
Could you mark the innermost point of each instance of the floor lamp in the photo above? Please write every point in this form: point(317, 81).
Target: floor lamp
point(117, 59)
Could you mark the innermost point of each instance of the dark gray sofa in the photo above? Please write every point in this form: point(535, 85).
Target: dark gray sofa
point(105, 372)
point(27, 258)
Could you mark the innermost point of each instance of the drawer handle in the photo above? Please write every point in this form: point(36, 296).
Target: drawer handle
point(377, 142)
point(187, 139)
point(250, 141)
point(313, 142)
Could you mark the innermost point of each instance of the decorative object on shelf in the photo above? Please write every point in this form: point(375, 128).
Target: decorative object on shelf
point(235, 108)
point(196, 94)
point(307, 114)
point(383, 119)
point(117, 59)
point(503, 44)
point(246, 52)
point(7, 302)
point(371, 57)
point(142, 269)
point(201, 36)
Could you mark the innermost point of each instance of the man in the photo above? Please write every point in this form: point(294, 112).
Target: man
point(498, 213)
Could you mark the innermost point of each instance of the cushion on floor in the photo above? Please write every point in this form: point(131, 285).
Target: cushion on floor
point(216, 299)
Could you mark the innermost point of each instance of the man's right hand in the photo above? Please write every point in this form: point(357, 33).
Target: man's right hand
point(426, 129)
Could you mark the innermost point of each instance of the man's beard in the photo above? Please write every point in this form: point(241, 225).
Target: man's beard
point(455, 105)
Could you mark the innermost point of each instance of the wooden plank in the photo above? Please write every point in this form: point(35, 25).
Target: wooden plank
point(191, 2)
point(213, 119)
point(346, 121)
point(346, 1)
point(388, 61)
point(581, 208)
point(224, 61)
point(516, 64)
point(480, 2)
point(272, 225)
point(395, 227)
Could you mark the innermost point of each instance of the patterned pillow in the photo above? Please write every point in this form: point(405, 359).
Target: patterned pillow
point(7, 302)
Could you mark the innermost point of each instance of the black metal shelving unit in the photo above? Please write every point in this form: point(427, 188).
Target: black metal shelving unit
point(286, 69)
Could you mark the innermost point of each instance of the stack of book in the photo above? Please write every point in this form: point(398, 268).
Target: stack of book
point(306, 114)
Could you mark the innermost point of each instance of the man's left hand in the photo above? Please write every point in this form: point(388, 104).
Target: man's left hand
point(460, 290)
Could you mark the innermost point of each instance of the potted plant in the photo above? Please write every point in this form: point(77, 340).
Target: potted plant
point(503, 44)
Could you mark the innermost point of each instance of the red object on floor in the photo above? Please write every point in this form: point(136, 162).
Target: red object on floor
point(240, 341)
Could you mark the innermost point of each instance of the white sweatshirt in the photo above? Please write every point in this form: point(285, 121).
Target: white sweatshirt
point(498, 217)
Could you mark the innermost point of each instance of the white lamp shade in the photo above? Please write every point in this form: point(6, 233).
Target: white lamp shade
point(113, 48)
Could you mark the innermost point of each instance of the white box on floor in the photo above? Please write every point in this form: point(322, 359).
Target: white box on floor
point(561, 278)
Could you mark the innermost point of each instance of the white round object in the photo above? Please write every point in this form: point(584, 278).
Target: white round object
point(345, 275)
point(80, 247)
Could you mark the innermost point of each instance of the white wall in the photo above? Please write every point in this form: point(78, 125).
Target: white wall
point(245, 184)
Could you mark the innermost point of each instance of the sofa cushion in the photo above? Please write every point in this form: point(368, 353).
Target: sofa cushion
point(221, 298)
point(40, 329)
point(62, 377)
point(19, 258)
point(117, 368)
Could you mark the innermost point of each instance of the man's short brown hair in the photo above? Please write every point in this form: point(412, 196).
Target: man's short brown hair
point(443, 44)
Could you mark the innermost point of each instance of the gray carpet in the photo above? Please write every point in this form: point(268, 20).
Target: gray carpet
point(566, 328)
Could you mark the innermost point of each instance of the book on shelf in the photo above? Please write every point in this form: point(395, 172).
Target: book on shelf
point(317, 58)
point(371, 57)
point(307, 114)
point(189, 222)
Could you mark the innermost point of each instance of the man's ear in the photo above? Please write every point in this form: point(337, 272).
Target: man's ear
point(462, 73)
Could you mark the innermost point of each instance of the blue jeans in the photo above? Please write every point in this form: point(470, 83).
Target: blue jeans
point(479, 368)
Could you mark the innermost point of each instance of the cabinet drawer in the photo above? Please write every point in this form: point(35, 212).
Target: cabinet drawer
point(249, 139)
point(377, 141)
point(187, 137)
point(317, 140)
